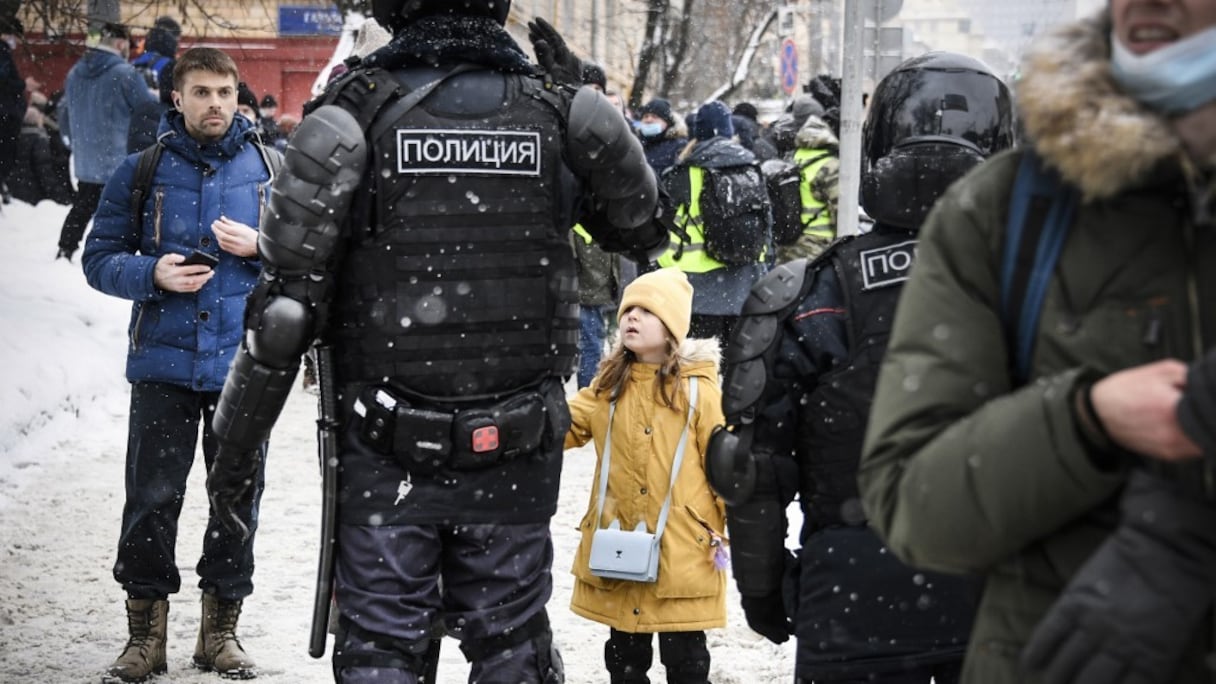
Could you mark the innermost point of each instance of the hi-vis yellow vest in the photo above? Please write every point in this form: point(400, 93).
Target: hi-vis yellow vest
point(816, 219)
point(692, 257)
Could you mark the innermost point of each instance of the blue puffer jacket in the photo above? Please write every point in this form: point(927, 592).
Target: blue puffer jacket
point(100, 93)
point(182, 338)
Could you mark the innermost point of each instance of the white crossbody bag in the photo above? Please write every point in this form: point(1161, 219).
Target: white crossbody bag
point(633, 554)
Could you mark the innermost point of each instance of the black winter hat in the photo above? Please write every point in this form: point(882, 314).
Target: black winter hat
point(245, 96)
point(162, 37)
point(746, 109)
point(660, 108)
point(268, 101)
point(712, 120)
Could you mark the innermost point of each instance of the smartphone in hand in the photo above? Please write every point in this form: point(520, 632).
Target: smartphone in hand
point(200, 258)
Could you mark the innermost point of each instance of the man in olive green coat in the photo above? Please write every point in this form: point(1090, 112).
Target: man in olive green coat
point(966, 471)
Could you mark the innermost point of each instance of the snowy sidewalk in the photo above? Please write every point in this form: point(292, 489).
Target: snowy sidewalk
point(63, 412)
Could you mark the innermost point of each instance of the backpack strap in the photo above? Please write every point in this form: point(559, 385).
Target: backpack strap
point(145, 168)
point(1041, 211)
point(272, 158)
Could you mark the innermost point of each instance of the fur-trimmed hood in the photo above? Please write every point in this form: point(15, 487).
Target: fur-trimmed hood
point(697, 351)
point(1100, 139)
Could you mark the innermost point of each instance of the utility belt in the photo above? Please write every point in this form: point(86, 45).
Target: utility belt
point(428, 439)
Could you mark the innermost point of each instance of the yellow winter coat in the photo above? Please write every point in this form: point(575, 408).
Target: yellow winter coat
point(690, 594)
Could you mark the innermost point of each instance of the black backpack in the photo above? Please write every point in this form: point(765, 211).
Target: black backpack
point(784, 181)
point(736, 214)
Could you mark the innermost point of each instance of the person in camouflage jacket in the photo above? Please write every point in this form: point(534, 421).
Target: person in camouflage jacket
point(816, 150)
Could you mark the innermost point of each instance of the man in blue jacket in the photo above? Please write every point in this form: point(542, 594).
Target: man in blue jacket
point(100, 94)
point(186, 323)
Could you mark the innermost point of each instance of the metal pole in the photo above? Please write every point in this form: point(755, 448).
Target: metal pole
point(850, 119)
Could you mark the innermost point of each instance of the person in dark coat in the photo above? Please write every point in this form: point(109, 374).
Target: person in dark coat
point(749, 131)
point(145, 120)
point(12, 95)
point(664, 135)
point(160, 49)
point(33, 177)
point(719, 289)
point(61, 154)
point(798, 401)
point(782, 134)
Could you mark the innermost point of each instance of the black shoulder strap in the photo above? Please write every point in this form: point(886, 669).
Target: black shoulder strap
point(1041, 210)
point(272, 158)
point(362, 92)
point(141, 184)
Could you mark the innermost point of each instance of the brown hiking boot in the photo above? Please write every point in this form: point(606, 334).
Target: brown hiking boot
point(144, 655)
point(218, 648)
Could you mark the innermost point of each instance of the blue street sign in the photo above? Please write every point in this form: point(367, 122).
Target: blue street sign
point(309, 21)
point(789, 66)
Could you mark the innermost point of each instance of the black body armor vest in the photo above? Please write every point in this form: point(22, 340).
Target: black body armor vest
point(459, 281)
point(871, 269)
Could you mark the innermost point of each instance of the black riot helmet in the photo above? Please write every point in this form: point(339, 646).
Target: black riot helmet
point(394, 15)
point(930, 121)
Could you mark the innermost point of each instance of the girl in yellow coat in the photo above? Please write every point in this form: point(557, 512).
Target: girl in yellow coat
point(647, 375)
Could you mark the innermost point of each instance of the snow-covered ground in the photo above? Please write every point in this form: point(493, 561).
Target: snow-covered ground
point(63, 412)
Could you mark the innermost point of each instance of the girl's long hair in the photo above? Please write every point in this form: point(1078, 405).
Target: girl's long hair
point(613, 374)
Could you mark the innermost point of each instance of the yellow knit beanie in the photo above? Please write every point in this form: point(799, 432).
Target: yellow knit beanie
point(666, 293)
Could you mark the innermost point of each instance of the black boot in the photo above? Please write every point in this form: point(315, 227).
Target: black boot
point(685, 656)
point(628, 657)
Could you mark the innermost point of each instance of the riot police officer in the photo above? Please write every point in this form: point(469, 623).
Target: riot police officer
point(806, 354)
point(420, 230)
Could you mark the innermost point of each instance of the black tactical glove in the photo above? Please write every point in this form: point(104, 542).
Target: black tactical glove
point(1130, 611)
point(553, 55)
point(1197, 408)
point(230, 486)
point(766, 616)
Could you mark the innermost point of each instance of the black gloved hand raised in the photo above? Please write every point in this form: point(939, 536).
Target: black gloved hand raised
point(1197, 408)
point(1130, 611)
point(766, 616)
point(553, 54)
point(230, 486)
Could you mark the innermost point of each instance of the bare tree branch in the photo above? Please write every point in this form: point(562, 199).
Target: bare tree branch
point(742, 68)
point(675, 61)
point(652, 41)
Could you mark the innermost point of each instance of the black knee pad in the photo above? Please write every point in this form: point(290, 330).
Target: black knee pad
point(355, 647)
point(549, 663)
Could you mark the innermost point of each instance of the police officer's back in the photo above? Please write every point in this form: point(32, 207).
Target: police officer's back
point(858, 612)
point(420, 231)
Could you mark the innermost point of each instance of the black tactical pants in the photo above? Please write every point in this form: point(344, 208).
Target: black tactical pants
point(485, 584)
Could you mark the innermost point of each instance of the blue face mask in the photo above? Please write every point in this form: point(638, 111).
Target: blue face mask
point(650, 129)
point(1175, 79)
